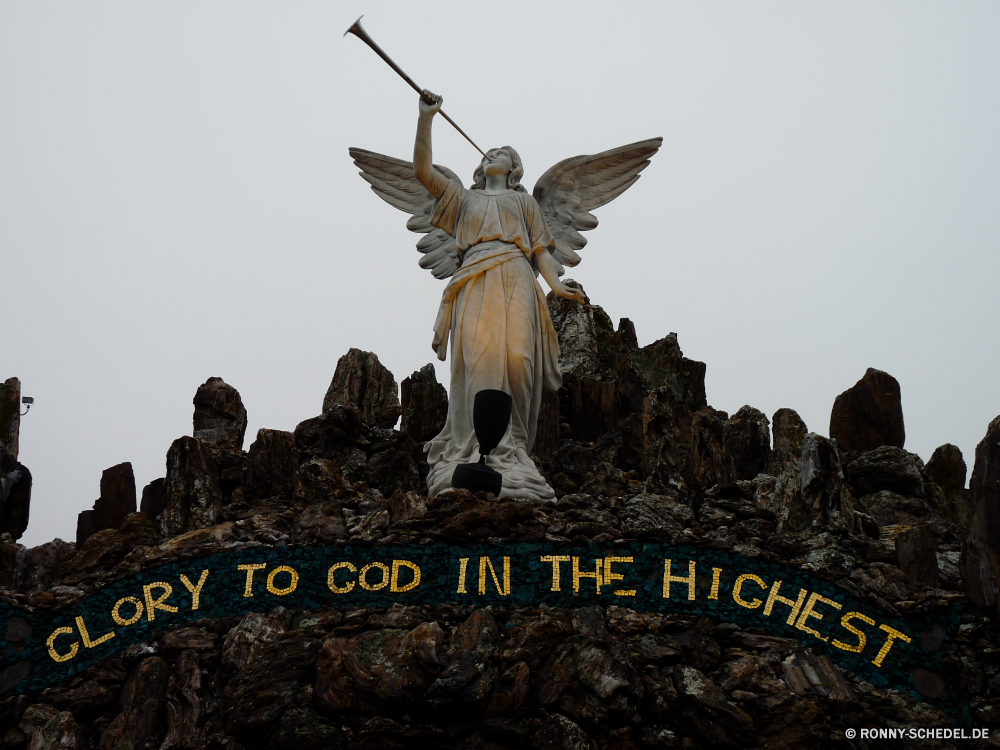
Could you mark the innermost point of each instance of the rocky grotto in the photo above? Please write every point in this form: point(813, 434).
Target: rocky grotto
point(638, 459)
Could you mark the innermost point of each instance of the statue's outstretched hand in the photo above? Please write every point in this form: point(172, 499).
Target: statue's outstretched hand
point(430, 103)
point(568, 292)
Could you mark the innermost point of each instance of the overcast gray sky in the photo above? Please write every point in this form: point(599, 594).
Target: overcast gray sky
point(177, 202)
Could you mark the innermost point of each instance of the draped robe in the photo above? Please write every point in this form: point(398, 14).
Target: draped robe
point(495, 316)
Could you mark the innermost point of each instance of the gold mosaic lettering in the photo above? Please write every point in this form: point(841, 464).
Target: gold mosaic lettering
point(808, 612)
point(139, 609)
point(394, 582)
point(893, 636)
point(463, 565)
point(716, 576)
point(195, 590)
point(610, 577)
point(738, 590)
point(154, 604)
point(484, 563)
point(292, 585)
point(85, 636)
point(862, 638)
point(597, 575)
point(689, 579)
point(775, 597)
point(250, 568)
point(348, 586)
point(555, 560)
point(363, 576)
point(51, 645)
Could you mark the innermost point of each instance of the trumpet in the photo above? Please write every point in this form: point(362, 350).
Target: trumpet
point(358, 30)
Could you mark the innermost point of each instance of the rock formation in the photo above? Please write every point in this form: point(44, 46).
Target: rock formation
point(117, 500)
point(635, 454)
point(869, 414)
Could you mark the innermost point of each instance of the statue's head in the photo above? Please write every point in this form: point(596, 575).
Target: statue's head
point(500, 161)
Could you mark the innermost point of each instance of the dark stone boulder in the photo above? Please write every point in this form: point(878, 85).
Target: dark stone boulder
point(746, 439)
point(469, 672)
point(424, 405)
point(117, 500)
point(980, 562)
point(583, 330)
point(192, 496)
point(378, 668)
point(789, 433)
point(43, 566)
point(559, 733)
point(105, 548)
point(711, 716)
point(916, 550)
point(15, 494)
point(887, 468)
point(869, 414)
point(220, 419)
point(154, 498)
point(946, 470)
point(142, 719)
point(272, 466)
point(333, 435)
point(361, 381)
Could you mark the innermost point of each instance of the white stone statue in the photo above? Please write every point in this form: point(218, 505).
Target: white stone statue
point(492, 240)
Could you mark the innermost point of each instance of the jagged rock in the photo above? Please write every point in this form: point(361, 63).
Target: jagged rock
point(916, 551)
point(713, 718)
point(109, 546)
point(192, 496)
point(583, 330)
point(303, 729)
point(319, 481)
point(947, 470)
point(585, 681)
point(469, 671)
point(789, 434)
point(142, 717)
point(272, 466)
point(333, 435)
point(869, 414)
point(15, 494)
point(818, 497)
point(319, 524)
point(980, 562)
point(361, 381)
point(559, 733)
point(184, 704)
point(424, 405)
point(154, 498)
point(117, 500)
point(245, 641)
point(746, 437)
point(267, 686)
point(378, 667)
point(49, 729)
point(220, 419)
point(10, 415)
point(42, 566)
point(887, 468)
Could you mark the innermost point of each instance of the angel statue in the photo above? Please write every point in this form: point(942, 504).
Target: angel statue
point(492, 240)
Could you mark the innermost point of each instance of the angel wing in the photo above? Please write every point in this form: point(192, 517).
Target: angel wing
point(572, 188)
point(393, 181)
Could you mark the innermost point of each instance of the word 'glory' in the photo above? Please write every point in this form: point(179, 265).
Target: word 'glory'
point(803, 610)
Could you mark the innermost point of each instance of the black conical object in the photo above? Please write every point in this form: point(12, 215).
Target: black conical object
point(490, 418)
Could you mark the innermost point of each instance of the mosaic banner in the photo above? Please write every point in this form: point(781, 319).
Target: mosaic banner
point(42, 649)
